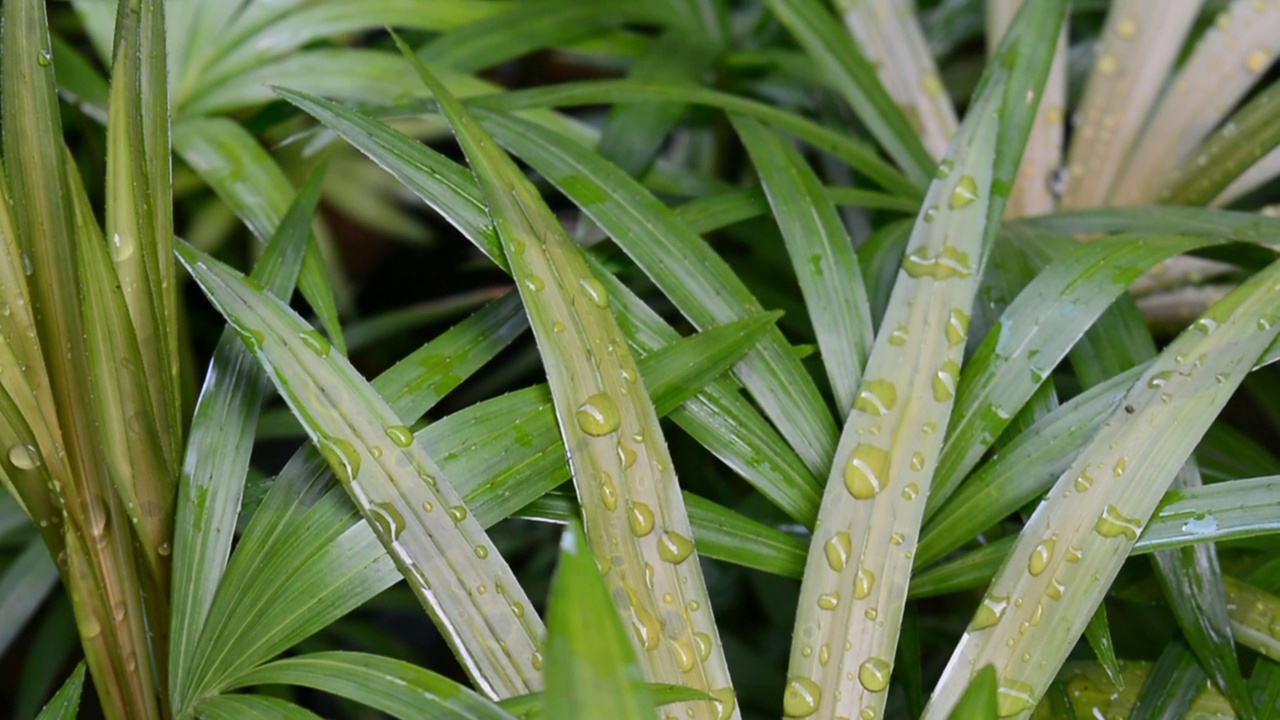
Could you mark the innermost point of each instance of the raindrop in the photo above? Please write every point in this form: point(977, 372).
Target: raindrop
point(458, 513)
point(534, 283)
point(595, 291)
point(957, 327)
point(1113, 524)
point(866, 471)
point(164, 549)
point(1160, 379)
point(318, 343)
point(874, 674)
point(482, 552)
point(1040, 557)
point(989, 612)
point(1055, 589)
point(400, 435)
point(640, 518)
point(930, 213)
point(1256, 61)
point(802, 697)
point(1014, 698)
point(944, 382)
point(598, 415)
point(824, 655)
point(862, 583)
point(1206, 325)
point(536, 660)
point(684, 655)
point(674, 547)
point(702, 643)
point(944, 169)
point(829, 601)
point(1127, 28)
point(898, 337)
point(342, 457)
point(726, 701)
point(43, 58)
point(1084, 481)
point(1121, 465)
point(24, 456)
point(626, 456)
point(965, 193)
point(387, 518)
point(838, 549)
point(948, 263)
point(877, 397)
point(608, 492)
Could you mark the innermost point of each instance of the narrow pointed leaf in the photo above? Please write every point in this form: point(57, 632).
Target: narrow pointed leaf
point(24, 585)
point(394, 687)
point(1163, 220)
point(621, 466)
point(1223, 158)
point(420, 519)
point(251, 707)
point(979, 701)
point(859, 563)
point(592, 670)
point(1172, 686)
point(65, 704)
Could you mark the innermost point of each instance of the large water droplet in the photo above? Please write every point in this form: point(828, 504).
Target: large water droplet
point(647, 628)
point(726, 701)
point(674, 547)
point(947, 264)
point(342, 456)
point(598, 415)
point(874, 673)
point(684, 655)
point(862, 583)
point(838, 549)
point(876, 397)
point(702, 642)
point(1041, 556)
point(989, 612)
point(1113, 524)
point(1014, 698)
point(626, 456)
point(24, 456)
point(965, 193)
point(829, 601)
point(640, 517)
point(318, 343)
point(400, 435)
point(595, 291)
point(866, 472)
point(802, 697)
point(387, 518)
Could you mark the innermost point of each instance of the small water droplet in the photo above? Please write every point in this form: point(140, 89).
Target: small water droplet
point(43, 58)
point(1107, 65)
point(608, 492)
point(829, 601)
point(534, 284)
point(1084, 481)
point(917, 464)
point(947, 264)
point(944, 382)
point(802, 697)
point(428, 506)
point(400, 435)
point(965, 193)
point(944, 169)
point(594, 291)
point(90, 628)
point(482, 552)
point(674, 547)
point(957, 327)
point(1014, 698)
point(726, 701)
point(342, 456)
point(838, 549)
point(318, 343)
point(640, 517)
point(1160, 379)
point(866, 471)
point(874, 673)
point(1121, 465)
point(898, 337)
point(1127, 27)
point(458, 513)
point(989, 612)
point(164, 549)
point(1257, 60)
point(626, 456)
point(24, 456)
point(536, 660)
point(1206, 325)
point(598, 415)
point(387, 518)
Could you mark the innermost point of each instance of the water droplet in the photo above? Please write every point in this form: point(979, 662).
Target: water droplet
point(1107, 65)
point(428, 506)
point(1041, 556)
point(829, 601)
point(1160, 379)
point(342, 457)
point(647, 628)
point(1264, 323)
point(684, 655)
point(726, 701)
point(897, 538)
point(598, 415)
point(1113, 524)
point(929, 427)
point(517, 609)
point(1121, 465)
point(917, 464)
point(802, 697)
point(866, 472)
point(931, 83)
point(930, 213)
point(387, 518)
point(1257, 60)
point(458, 513)
point(947, 264)
point(400, 435)
point(1055, 589)
point(989, 612)
point(957, 327)
point(43, 58)
point(90, 628)
point(898, 337)
point(626, 456)
point(24, 456)
point(164, 549)
point(608, 492)
point(1014, 698)
point(944, 169)
point(838, 549)
point(862, 583)
point(534, 284)
point(536, 660)
point(965, 193)
point(122, 246)
point(318, 343)
point(594, 291)
point(557, 327)
point(674, 547)
point(702, 643)
point(1200, 524)
point(1127, 27)
point(1206, 325)
point(640, 517)
point(874, 673)
point(944, 382)
point(482, 552)
point(1084, 481)
point(876, 397)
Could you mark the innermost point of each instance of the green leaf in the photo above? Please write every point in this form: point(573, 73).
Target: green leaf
point(395, 687)
point(608, 423)
point(591, 667)
point(860, 558)
point(1098, 634)
point(534, 705)
point(1252, 132)
point(1087, 534)
point(219, 447)
point(65, 704)
point(1164, 220)
point(250, 707)
point(397, 487)
point(821, 255)
point(24, 585)
point(979, 701)
point(1172, 686)
point(850, 74)
point(232, 162)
